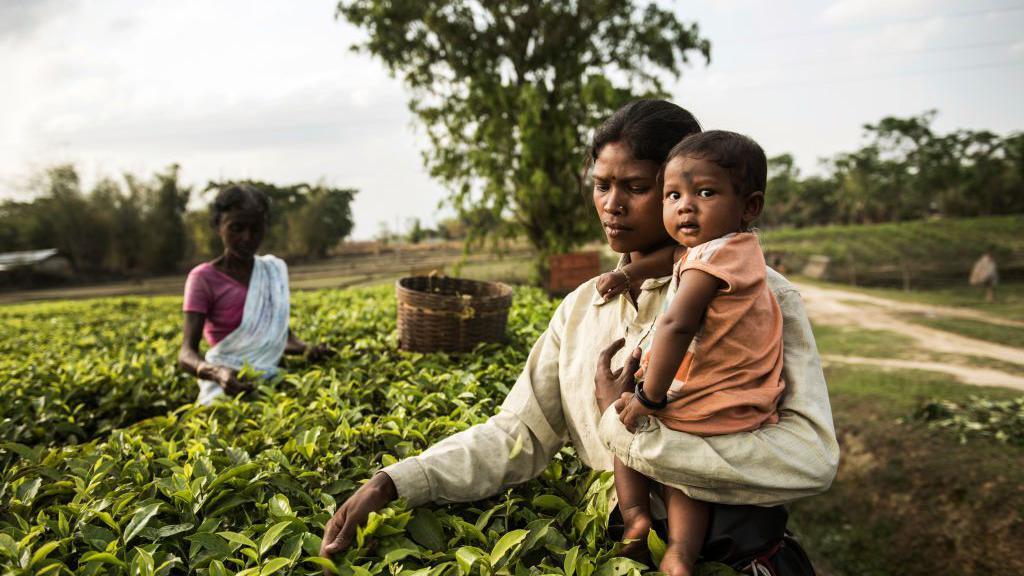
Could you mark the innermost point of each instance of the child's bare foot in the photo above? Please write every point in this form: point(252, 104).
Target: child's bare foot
point(675, 561)
point(636, 523)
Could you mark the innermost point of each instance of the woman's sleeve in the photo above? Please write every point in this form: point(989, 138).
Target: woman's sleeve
point(197, 294)
point(477, 462)
point(778, 463)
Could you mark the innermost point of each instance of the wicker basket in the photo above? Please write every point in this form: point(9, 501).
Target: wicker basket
point(444, 314)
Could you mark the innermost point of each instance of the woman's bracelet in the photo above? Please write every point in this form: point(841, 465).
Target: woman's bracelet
point(647, 402)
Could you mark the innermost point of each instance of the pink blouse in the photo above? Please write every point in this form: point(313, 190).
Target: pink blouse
point(219, 297)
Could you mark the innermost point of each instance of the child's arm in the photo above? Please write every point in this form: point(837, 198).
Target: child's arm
point(658, 264)
point(672, 336)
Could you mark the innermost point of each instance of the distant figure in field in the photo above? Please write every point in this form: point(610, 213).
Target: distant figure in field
point(986, 273)
point(239, 301)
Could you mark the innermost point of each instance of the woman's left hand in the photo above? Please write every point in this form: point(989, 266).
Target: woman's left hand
point(609, 386)
point(632, 412)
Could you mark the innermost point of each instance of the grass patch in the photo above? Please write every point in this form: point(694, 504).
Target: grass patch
point(982, 362)
point(848, 341)
point(909, 499)
point(1005, 335)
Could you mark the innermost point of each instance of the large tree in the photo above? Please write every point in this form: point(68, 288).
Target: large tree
point(508, 90)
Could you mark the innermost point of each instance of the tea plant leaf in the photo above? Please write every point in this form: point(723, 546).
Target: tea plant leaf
point(620, 567)
point(238, 539)
point(139, 520)
point(217, 568)
point(323, 563)
point(569, 562)
point(505, 545)
point(8, 547)
point(43, 552)
point(399, 554)
point(27, 490)
point(142, 563)
point(279, 506)
point(102, 558)
point(426, 530)
point(550, 502)
point(232, 473)
point(272, 535)
point(656, 546)
point(467, 556)
point(272, 566)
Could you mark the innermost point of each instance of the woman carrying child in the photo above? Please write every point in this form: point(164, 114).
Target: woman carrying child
point(239, 301)
point(553, 401)
point(714, 360)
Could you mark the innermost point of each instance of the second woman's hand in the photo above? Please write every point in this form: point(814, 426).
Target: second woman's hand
point(226, 377)
point(318, 352)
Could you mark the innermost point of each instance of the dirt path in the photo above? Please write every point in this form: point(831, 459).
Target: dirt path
point(969, 374)
point(837, 307)
point(898, 306)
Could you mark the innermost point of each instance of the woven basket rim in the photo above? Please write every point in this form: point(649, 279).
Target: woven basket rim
point(501, 289)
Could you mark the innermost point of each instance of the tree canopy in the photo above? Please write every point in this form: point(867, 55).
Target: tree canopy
point(139, 225)
point(905, 171)
point(507, 92)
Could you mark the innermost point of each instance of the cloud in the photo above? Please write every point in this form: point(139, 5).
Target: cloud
point(20, 18)
point(859, 11)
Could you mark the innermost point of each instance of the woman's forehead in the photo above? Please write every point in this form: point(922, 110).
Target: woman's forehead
point(616, 161)
point(243, 215)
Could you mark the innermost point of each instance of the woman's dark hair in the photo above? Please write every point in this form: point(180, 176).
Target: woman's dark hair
point(239, 196)
point(737, 154)
point(649, 127)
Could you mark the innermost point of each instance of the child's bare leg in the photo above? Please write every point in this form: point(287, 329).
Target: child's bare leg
point(635, 506)
point(687, 526)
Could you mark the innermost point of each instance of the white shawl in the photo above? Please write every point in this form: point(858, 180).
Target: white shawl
point(261, 337)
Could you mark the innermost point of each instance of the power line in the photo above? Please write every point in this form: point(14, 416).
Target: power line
point(867, 56)
point(879, 24)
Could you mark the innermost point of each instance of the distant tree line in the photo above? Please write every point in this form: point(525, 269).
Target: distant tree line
point(134, 225)
point(906, 171)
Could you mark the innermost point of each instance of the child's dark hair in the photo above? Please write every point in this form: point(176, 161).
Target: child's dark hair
point(649, 127)
point(737, 154)
point(239, 196)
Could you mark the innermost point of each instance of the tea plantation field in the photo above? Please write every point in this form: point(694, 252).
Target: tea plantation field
point(108, 469)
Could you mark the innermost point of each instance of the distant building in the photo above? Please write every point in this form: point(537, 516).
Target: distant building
point(28, 265)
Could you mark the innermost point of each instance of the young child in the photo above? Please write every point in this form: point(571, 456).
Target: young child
point(714, 362)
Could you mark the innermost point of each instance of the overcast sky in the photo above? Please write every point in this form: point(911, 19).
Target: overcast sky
point(269, 90)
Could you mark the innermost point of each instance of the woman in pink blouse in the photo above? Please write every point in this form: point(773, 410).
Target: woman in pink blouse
point(238, 301)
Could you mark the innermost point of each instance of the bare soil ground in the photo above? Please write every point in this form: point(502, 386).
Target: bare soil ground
point(838, 307)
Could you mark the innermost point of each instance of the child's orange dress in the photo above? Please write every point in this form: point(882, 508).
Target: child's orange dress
point(731, 377)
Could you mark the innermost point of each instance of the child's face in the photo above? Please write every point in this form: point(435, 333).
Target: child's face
point(700, 204)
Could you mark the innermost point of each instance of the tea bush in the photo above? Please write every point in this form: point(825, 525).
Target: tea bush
point(107, 468)
point(977, 417)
